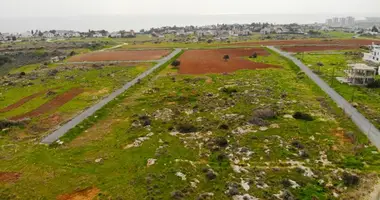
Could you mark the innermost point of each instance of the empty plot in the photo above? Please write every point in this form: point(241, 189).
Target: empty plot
point(53, 104)
point(140, 55)
point(211, 61)
point(317, 48)
point(353, 42)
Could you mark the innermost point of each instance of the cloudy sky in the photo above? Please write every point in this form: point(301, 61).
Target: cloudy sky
point(62, 8)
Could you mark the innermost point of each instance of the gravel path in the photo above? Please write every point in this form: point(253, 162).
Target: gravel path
point(90, 111)
point(364, 125)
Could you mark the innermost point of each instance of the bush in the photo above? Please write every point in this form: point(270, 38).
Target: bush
point(374, 84)
point(186, 128)
point(350, 180)
point(229, 90)
point(303, 116)
point(176, 63)
point(7, 124)
point(226, 57)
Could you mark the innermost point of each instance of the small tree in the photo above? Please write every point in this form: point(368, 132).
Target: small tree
point(226, 57)
point(176, 63)
point(14, 38)
point(254, 55)
point(320, 64)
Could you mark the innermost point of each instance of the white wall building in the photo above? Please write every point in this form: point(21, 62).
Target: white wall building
point(374, 55)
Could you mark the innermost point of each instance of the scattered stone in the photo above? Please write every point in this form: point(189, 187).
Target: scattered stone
point(98, 160)
point(151, 161)
point(177, 195)
point(258, 121)
point(288, 116)
point(294, 184)
point(238, 169)
point(265, 113)
point(274, 126)
point(210, 175)
point(244, 185)
point(244, 197)
point(263, 128)
point(232, 189)
point(165, 114)
point(204, 196)
point(181, 175)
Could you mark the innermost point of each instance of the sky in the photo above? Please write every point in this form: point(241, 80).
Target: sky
point(63, 8)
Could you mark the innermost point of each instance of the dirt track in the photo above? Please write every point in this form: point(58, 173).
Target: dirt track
point(317, 48)
point(120, 56)
point(211, 61)
point(53, 104)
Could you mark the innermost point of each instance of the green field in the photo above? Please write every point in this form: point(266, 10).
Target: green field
point(367, 99)
point(212, 137)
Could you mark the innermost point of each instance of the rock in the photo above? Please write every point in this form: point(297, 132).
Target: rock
point(287, 195)
point(263, 128)
point(99, 160)
point(232, 189)
point(298, 144)
point(258, 121)
point(181, 175)
point(265, 113)
point(52, 72)
point(244, 185)
point(274, 126)
point(204, 196)
point(177, 195)
point(288, 116)
point(244, 197)
point(210, 175)
point(151, 161)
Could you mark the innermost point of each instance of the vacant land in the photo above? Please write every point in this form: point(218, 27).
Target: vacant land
point(365, 99)
point(267, 134)
point(50, 95)
point(317, 48)
point(211, 61)
point(121, 56)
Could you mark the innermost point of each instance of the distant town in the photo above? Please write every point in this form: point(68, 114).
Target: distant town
point(369, 26)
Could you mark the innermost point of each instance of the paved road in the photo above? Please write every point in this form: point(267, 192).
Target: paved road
point(364, 125)
point(90, 111)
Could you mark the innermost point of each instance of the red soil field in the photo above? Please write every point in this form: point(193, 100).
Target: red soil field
point(211, 61)
point(357, 42)
point(120, 56)
point(22, 101)
point(53, 104)
point(316, 48)
point(9, 177)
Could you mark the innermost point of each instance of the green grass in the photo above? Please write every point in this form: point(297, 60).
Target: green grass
point(48, 172)
point(339, 34)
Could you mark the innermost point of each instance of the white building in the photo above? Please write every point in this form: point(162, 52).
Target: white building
point(359, 74)
point(374, 55)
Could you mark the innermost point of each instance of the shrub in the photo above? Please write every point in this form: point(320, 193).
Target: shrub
point(186, 128)
point(254, 55)
point(303, 116)
point(7, 124)
point(350, 179)
point(176, 63)
point(221, 142)
point(374, 84)
point(229, 90)
point(226, 57)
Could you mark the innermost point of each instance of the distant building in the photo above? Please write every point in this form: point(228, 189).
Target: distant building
point(342, 22)
point(48, 34)
point(350, 21)
point(335, 22)
point(329, 22)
